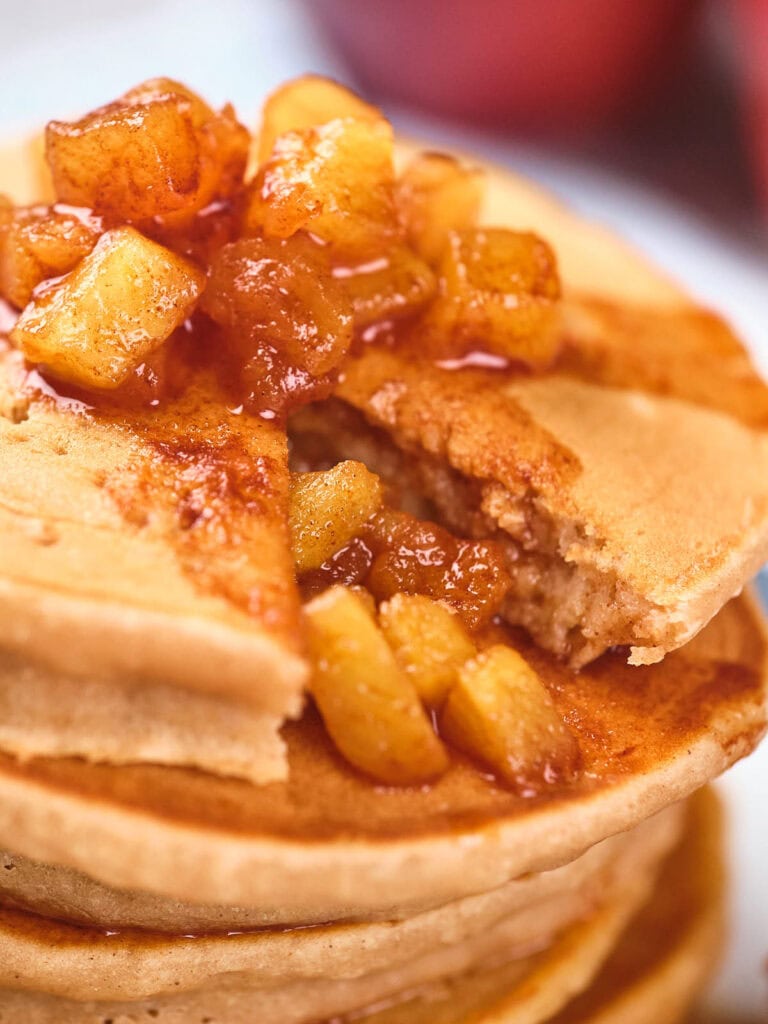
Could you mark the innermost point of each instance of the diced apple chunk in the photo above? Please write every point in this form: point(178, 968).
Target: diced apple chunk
point(500, 712)
point(370, 708)
point(97, 324)
point(158, 152)
point(328, 508)
point(429, 641)
point(38, 242)
point(397, 285)
point(128, 161)
point(305, 103)
point(436, 194)
point(499, 294)
point(336, 181)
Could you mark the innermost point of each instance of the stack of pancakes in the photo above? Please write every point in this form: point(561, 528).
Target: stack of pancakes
point(176, 849)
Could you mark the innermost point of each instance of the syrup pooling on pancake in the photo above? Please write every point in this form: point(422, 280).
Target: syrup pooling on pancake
point(191, 307)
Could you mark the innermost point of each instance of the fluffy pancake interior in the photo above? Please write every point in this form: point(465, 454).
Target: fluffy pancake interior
point(590, 488)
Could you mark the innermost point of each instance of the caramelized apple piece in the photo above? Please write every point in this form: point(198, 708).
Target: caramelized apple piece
point(158, 151)
point(416, 557)
point(396, 285)
point(500, 712)
point(328, 508)
point(129, 162)
point(436, 194)
point(281, 294)
point(97, 324)
point(370, 708)
point(156, 88)
point(39, 242)
point(305, 103)
point(499, 294)
point(335, 180)
point(223, 143)
point(429, 642)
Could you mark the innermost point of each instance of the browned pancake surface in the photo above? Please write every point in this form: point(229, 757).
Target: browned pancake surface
point(148, 542)
point(628, 720)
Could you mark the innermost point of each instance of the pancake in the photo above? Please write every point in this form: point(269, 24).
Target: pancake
point(112, 587)
point(112, 575)
point(588, 476)
point(301, 975)
point(596, 522)
point(45, 713)
point(654, 974)
point(328, 844)
point(601, 542)
point(72, 897)
point(526, 991)
point(105, 544)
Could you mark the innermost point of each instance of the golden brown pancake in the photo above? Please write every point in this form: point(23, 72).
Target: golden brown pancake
point(113, 575)
point(589, 473)
point(47, 714)
point(328, 842)
point(300, 975)
point(589, 488)
point(142, 555)
point(525, 991)
point(72, 897)
point(325, 842)
point(121, 529)
point(654, 974)
point(69, 896)
point(137, 563)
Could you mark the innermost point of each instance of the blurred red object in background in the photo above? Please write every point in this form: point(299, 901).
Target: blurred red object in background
point(753, 48)
point(538, 65)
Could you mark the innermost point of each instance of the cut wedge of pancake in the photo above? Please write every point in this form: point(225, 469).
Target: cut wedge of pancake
point(590, 488)
point(142, 556)
point(590, 473)
point(327, 842)
point(126, 543)
point(46, 714)
point(597, 563)
point(526, 991)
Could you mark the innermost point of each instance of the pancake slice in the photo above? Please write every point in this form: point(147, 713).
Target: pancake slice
point(590, 488)
point(46, 714)
point(629, 483)
point(150, 550)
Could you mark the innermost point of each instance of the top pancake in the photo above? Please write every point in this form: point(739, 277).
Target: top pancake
point(630, 481)
point(631, 517)
point(159, 554)
point(328, 844)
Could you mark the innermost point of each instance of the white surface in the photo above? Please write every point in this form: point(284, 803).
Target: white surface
point(63, 57)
